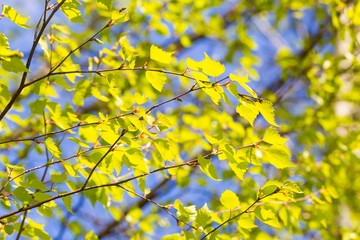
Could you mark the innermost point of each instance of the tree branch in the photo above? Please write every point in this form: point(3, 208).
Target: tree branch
point(29, 60)
point(124, 131)
point(238, 215)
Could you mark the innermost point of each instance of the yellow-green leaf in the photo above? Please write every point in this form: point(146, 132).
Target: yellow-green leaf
point(248, 110)
point(160, 55)
point(14, 64)
point(214, 95)
point(52, 147)
point(15, 17)
point(156, 79)
point(71, 10)
point(273, 137)
point(208, 168)
point(229, 199)
point(192, 64)
point(267, 216)
point(5, 48)
point(185, 214)
point(211, 67)
point(69, 169)
point(242, 81)
point(239, 168)
point(267, 111)
point(106, 3)
point(278, 155)
point(204, 216)
point(246, 222)
point(120, 15)
point(67, 202)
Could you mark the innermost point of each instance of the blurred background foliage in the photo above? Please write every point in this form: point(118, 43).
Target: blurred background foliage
point(303, 56)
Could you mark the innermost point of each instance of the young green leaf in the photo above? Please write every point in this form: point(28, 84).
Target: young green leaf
point(229, 199)
point(160, 55)
point(58, 177)
point(14, 64)
point(208, 168)
point(119, 15)
point(156, 79)
point(292, 187)
point(267, 216)
point(14, 16)
point(204, 216)
point(246, 222)
point(22, 194)
point(273, 137)
point(242, 81)
point(5, 48)
point(192, 64)
point(107, 3)
point(211, 67)
point(52, 147)
point(185, 214)
point(278, 155)
point(67, 202)
point(239, 168)
point(267, 111)
point(71, 10)
point(248, 110)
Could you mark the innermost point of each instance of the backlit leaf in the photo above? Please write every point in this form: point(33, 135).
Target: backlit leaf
point(208, 168)
point(71, 10)
point(186, 214)
point(192, 64)
point(239, 168)
point(273, 137)
point(246, 222)
point(80, 92)
point(267, 111)
point(267, 216)
point(67, 202)
point(119, 15)
point(22, 194)
point(5, 48)
point(211, 67)
point(160, 55)
point(248, 110)
point(278, 155)
point(14, 64)
point(14, 16)
point(229, 199)
point(52, 147)
point(106, 3)
point(156, 79)
point(203, 216)
point(242, 81)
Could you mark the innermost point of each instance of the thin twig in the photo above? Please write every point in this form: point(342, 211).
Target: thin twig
point(158, 205)
point(35, 205)
point(124, 131)
point(190, 163)
point(109, 70)
point(238, 215)
point(21, 228)
point(29, 60)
